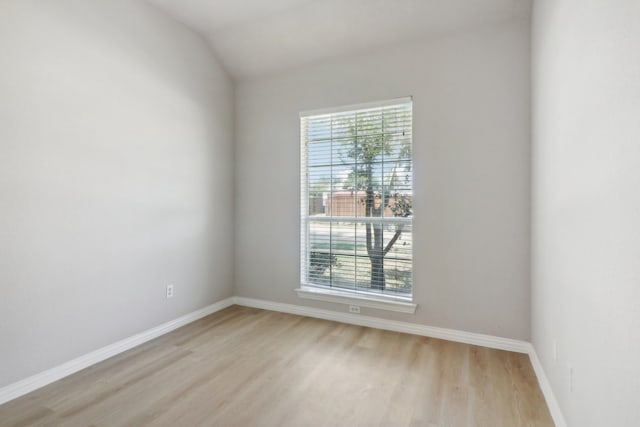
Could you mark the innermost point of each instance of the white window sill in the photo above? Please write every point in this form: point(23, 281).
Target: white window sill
point(331, 295)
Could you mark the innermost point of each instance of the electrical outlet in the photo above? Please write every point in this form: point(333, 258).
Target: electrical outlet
point(354, 309)
point(170, 291)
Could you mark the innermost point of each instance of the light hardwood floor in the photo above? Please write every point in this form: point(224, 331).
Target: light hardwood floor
point(249, 367)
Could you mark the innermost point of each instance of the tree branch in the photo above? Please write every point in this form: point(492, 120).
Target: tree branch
point(393, 240)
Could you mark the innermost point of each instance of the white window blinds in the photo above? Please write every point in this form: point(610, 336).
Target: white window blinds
point(357, 199)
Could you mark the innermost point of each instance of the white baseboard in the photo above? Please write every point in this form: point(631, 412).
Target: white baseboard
point(391, 325)
point(545, 386)
point(423, 330)
point(20, 388)
point(42, 379)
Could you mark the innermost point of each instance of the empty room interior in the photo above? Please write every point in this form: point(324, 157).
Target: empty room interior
point(320, 213)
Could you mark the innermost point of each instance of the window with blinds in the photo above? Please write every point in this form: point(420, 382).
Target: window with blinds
point(357, 199)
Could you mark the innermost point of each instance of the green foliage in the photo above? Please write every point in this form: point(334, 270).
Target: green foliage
point(319, 262)
point(368, 148)
point(358, 179)
point(402, 206)
point(370, 141)
point(380, 152)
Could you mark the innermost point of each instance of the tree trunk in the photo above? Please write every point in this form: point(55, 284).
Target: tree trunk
point(376, 257)
point(375, 248)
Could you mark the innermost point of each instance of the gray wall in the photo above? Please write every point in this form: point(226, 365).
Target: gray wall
point(471, 146)
point(586, 206)
point(115, 177)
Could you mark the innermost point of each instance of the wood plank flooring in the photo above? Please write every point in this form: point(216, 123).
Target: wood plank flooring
point(249, 367)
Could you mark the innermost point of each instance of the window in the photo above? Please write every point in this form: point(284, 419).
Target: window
point(357, 199)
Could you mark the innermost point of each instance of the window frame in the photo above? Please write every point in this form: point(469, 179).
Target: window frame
point(373, 299)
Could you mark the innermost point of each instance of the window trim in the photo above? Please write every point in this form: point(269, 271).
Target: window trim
point(308, 291)
point(362, 106)
point(381, 302)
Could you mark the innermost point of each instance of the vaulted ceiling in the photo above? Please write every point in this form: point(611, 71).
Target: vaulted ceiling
point(254, 37)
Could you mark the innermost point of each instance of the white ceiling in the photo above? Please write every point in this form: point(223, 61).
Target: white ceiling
point(254, 37)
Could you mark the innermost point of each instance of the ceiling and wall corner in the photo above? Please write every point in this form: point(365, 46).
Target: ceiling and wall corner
point(257, 37)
